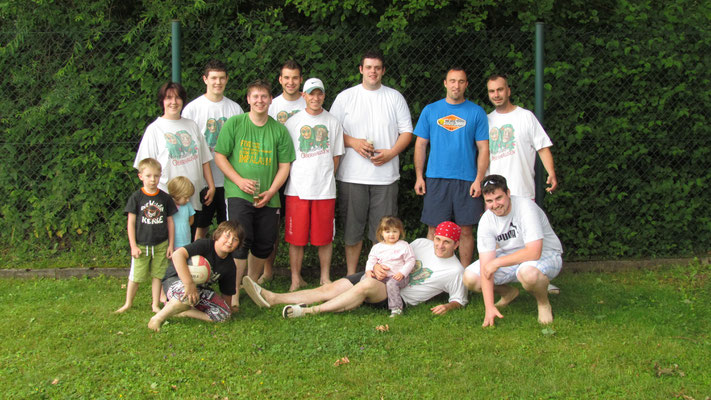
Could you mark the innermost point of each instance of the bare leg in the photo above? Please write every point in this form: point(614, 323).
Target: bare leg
point(370, 290)
point(268, 273)
point(200, 233)
point(473, 282)
point(296, 258)
point(173, 307)
point(155, 294)
point(255, 266)
point(131, 290)
point(195, 313)
point(536, 283)
point(352, 256)
point(466, 245)
point(308, 296)
point(241, 268)
point(325, 253)
point(430, 232)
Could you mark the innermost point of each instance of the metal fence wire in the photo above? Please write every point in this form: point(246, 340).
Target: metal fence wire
point(631, 144)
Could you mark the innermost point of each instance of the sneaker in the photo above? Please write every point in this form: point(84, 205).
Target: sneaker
point(553, 289)
point(395, 312)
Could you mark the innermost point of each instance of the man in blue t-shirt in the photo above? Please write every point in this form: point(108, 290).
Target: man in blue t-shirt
point(457, 131)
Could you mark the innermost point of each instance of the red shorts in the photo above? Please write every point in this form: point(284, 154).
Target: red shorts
point(314, 218)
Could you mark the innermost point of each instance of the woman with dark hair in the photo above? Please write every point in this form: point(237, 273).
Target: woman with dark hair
point(178, 145)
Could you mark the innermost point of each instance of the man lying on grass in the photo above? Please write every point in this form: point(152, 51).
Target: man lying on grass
point(436, 270)
point(185, 299)
point(516, 244)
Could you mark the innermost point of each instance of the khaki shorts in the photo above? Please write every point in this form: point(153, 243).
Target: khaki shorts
point(152, 263)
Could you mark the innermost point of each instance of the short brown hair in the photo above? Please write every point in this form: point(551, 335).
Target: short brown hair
point(390, 222)
point(259, 84)
point(214, 65)
point(149, 163)
point(494, 77)
point(180, 186)
point(493, 182)
point(290, 64)
point(232, 227)
point(163, 91)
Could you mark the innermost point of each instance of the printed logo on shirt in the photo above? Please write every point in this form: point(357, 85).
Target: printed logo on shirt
point(212, 131)
point(151, 213)
point(283, 116)
point(180, 145)
point(252, 153)
point(511, 234)
point(502, 141)
point(313, 140)
point(452, 122)
point(419, 274)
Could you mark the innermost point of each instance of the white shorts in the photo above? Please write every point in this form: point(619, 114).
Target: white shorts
point(549, 264)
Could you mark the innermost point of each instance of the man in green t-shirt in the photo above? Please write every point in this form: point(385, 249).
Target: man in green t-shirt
point(255, 152)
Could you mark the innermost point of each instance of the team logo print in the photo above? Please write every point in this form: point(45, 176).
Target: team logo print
point(451, 122)
point(419, 274)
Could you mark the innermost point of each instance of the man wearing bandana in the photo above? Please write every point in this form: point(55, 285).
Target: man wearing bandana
point(436, 270)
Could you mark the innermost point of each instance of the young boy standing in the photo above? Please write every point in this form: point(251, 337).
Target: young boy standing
point(151, 233)
point(210, 111)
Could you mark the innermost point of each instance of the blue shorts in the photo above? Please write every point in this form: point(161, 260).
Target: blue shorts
point(449, 199)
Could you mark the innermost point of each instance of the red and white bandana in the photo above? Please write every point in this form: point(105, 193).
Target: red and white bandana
point(449, 230)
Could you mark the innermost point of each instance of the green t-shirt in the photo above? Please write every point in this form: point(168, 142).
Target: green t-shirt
point(254, 152)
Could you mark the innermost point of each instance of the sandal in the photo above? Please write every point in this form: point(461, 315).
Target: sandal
point(254, 292)
point(297, 310)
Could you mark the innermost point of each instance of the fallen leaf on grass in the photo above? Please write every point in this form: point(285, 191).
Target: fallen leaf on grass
point(548, 331)
point(55, 381)
point(343, 360)
point(673, 370)
point(123, 286)
point(119, 333)
point(382, 328)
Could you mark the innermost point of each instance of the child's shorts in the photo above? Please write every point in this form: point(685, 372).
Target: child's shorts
point(152, 263)
point(210, 302)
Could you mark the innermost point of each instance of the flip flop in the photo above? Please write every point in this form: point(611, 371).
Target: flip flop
point(553, 289)
point(297, 310)
point(254, 292)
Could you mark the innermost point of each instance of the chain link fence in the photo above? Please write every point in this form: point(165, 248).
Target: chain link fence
point(631, 146)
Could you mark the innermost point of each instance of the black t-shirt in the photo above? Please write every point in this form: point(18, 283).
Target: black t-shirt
point(223, 269)
point(152, 212)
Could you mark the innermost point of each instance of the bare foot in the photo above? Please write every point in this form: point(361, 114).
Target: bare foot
point(156, 309)
point(508, 294)
point(325, 282)
point(265, 278)
point(154, 324)
point(545, 314)
point(122, 309)
point(298, 285)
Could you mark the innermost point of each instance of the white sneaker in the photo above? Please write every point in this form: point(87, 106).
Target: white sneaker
point(395, 312)
point(553, 289)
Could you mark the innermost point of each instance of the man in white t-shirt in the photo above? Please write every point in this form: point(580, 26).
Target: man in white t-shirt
point(210, 111)
point(311, 188)
point(378, 127)
point(286, 105)
point(437, 270)
point(516, 244)
point(515, 136)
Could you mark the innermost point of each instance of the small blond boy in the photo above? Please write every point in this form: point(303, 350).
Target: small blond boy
point(151, 233)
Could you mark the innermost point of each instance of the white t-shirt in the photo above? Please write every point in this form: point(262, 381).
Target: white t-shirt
point(180, 149)
point(433, 275)
point(282, 109)
point(381, 113)
point(515, 157)
point(209, 117)
point(525, 223)
point(317, 139)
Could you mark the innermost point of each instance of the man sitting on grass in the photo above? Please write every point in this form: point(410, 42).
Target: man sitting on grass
point(436, 270)
point(516, 244)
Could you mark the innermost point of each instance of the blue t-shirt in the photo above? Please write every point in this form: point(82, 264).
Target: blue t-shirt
point(453, 130)
point(181, 220)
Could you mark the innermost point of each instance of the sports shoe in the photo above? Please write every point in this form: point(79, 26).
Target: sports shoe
point(395, 312)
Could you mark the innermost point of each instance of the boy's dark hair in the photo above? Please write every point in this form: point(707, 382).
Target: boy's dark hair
point(259, 84)
point(373, 53)
point(493, 182)
point(163, 92)
point(456, 68)
point(214, 65)
point(290, 64)
point(230, 226)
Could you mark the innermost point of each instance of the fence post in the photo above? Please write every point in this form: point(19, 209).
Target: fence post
point(539, 170)
point(175, 36)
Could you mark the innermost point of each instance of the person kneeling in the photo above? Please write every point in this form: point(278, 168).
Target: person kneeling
point(185, 298)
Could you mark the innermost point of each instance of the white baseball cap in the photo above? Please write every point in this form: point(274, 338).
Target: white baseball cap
point(313, 83)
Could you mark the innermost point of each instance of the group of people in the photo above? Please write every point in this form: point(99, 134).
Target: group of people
point(288, 155)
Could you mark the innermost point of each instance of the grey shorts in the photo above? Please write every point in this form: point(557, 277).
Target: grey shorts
point(549, 264)
point(360, 204)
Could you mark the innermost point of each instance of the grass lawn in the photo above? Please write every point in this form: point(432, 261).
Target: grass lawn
point(632, 334)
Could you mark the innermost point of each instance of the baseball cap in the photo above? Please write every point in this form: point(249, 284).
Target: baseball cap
point(313, 83)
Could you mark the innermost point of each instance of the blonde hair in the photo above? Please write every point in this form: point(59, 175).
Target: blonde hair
point(180, 186)
point(389, 222)
point(149, 163)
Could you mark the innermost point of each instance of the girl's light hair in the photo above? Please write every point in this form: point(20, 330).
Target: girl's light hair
point(389, 222)
point(180, 186)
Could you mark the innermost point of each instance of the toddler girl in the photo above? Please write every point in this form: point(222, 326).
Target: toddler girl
point(181, 189)
point(396, 254)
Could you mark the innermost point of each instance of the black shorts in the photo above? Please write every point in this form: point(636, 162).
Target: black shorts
point(355, 278)
point(259, 224)
point(218, 208)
